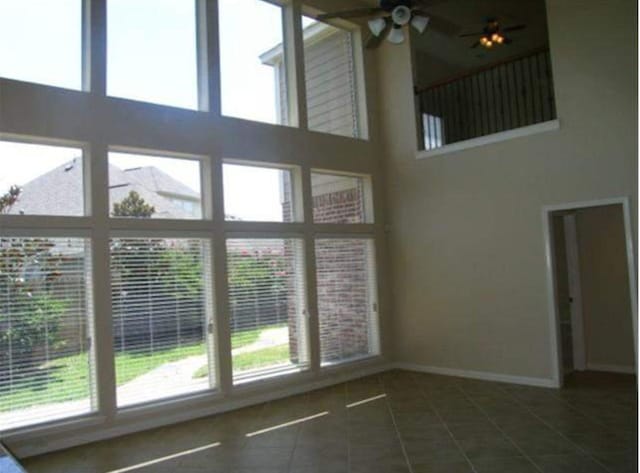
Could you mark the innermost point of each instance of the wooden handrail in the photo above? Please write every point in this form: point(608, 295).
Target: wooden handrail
point(473, 72)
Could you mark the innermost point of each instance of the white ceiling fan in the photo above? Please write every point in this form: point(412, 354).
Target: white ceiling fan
point(387, 21)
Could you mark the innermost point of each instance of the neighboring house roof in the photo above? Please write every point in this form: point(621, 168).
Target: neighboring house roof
point(59, 191)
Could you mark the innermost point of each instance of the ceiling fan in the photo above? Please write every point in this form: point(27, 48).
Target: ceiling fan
point(493, 34)
point(389, 18)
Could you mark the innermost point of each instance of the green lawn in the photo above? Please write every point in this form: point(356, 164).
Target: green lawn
point(256, 359)
point(65, 379)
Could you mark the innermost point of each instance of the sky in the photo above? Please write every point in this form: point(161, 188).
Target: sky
point(148, 61)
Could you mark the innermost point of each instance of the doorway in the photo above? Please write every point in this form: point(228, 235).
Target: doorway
point(593, 303)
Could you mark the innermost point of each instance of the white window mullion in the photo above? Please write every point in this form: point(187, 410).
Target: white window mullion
point(103, 344)
point(223, 339)
point(95, 46)
point(208, 57)
point(310, 267)
point(294, 64)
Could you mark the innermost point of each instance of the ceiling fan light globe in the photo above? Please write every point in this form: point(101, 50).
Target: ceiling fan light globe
point(396, 36)
point(377, 26)
point(420, 23)
point(401, 15)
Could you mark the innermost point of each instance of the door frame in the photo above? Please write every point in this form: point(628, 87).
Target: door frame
point(550, 269)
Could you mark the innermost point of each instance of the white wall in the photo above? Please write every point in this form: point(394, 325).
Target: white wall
point(466, 242)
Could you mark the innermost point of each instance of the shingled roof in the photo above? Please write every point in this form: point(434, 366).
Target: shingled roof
point(59, 192)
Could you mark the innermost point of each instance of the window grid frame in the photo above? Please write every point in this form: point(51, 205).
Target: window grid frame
point(99, 226)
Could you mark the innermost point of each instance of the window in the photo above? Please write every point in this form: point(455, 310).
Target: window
point(347, 300)
point(331, 79)
point(260, 194)
point(43, 180)
point(152, 51)
point(340, 198)
point(42, 41)
point(142, 186)
point(267, 306)
point(432, 131)
point(45, 330)
point(251, 39)
point(162, 320)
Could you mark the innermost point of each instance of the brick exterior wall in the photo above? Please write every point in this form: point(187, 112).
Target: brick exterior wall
point(342, 274)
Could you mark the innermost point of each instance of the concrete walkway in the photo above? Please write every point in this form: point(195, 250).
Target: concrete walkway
point(171, 379)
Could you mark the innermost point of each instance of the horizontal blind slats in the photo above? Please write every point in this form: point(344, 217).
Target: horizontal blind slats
point(267, 304)
point(45, 309)
point(160, 315)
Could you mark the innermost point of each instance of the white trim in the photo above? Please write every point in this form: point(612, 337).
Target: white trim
point(482, 375)
point(611, 368)
point(547, 210)
point(27, 447)
point(551, 125)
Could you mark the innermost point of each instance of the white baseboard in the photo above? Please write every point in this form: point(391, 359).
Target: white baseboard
point(611, 368)
point(482, 375)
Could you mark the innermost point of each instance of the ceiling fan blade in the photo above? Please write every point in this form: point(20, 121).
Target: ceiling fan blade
point(467, 35)
point(475, 45)
point(507, 41)
point(513, 28)
point(374, 41)
point(439, 24)
point(350, 13)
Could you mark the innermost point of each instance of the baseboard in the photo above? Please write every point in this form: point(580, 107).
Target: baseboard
point(481, 375)
point(611, 368)
point(29, 447)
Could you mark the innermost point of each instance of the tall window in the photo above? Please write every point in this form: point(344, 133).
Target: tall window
point(152, 51)
point(45, 330)
point(251, 35)
point(41, 41)
point(162, 318)
point(347, 299)
point(331, 79)
point(267, 306)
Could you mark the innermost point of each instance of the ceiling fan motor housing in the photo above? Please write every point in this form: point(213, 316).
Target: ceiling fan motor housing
point(390, 5)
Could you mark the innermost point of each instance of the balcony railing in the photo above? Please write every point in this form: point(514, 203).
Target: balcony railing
point(511, 94)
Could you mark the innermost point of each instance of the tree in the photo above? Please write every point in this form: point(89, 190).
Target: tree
point(29, 312)
point(133, 206)
point(10, 198)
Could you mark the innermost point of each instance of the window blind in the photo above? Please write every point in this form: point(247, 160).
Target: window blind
point(347, 300)
point(45, 335)
point(267, 306)
point(330, 80)
point(163, 325)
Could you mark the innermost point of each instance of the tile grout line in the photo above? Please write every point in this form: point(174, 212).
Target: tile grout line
point(508, 437)
point(295, 444)
point(435, 409)
point(585, 452)
point(346, 400)
point(395, 426)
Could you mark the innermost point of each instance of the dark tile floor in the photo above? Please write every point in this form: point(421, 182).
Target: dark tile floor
point(394, 422)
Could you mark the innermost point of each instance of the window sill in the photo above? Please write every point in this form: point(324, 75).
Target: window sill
point(543, 127)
